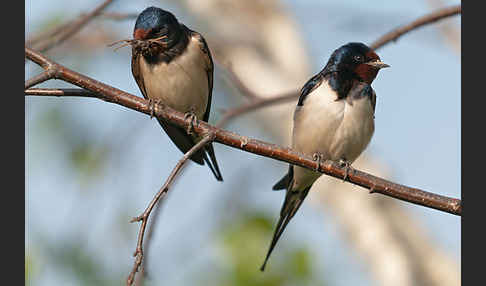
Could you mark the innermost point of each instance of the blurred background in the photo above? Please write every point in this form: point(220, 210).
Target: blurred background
point(91, 166)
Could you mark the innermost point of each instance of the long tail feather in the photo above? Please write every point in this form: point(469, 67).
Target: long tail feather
point(293, 201)
point(285, 181)
point(213, 164)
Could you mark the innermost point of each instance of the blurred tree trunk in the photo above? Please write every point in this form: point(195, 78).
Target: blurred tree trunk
point(386, 237)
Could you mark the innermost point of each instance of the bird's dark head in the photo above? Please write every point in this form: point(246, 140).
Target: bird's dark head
point(155, 23)
point(357, 60)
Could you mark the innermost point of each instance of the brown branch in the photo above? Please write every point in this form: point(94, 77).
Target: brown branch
point(228, 114)
point(376, 184)
point(148, 239)
point(61, 92)
point(63, 32)
point(162, 192)
point(424, 20)
point(46, 75)
point(239, 84)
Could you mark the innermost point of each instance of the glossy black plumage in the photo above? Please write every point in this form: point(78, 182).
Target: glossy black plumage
point(344, 80)
point(155, 23)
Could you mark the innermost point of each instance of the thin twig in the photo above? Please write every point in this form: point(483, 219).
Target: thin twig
point(111, 94)
point(254, 105)
point(228, 114)
point(118, 16)
point(61, 92)
point(161, 193)
point(45, 75)
point(239, 84)
point(427, 19)
point(65, 31)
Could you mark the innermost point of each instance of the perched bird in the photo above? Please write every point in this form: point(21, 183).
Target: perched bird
point(333, 120)
point(174, 67)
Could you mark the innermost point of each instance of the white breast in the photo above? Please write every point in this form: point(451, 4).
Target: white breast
point(336, 129)
point(182, 84)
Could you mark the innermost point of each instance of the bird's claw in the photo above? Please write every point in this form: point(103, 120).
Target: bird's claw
point(151, 108)
point(190, 114)
point(317, 157)
point(347, 167)
point(152, 104)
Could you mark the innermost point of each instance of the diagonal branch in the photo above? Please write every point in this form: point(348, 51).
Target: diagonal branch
point(368, 181)
point(424, 20)
point(42, 77)
point(61, 92)
point(160, 194)
point(247, 92)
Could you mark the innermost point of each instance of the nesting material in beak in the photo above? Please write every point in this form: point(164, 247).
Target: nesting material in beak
point(378, 64)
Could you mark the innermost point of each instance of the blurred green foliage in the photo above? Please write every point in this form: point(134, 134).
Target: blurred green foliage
point(28, 268)
point(87, 156)
point(245, 241)
point(244, 236)
point(73, 258)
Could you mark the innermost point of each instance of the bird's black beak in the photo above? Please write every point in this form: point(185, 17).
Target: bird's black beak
point(377, 64)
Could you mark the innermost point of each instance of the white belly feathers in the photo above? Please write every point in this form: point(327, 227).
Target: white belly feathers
point(183, 93)
point(335, 129)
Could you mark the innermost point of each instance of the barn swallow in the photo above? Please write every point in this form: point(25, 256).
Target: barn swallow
point(175, 68)
point(333, 120)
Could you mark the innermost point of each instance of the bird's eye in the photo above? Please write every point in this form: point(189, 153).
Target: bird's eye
point(358, 58)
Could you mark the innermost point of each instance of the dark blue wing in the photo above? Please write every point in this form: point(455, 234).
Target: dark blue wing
point(309, 86)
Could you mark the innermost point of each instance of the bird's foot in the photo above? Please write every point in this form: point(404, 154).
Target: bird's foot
point(347, 167)
point(152, 104)
point(151, 108)
point(317, 157)
point(192, 115)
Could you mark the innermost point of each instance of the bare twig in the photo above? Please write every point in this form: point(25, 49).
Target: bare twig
point(61, 92)
point(427, 19)
point(46, 75)
point(166, 113)
point(227, 114)
point(148, 239)
point(254, 105)
point(162, 192)
point(35, 39)
point(258, 102)
point(63, 32)
point(118, 16)
point(239, 84)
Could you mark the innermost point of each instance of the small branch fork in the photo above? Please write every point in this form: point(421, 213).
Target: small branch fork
point(209, 137)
